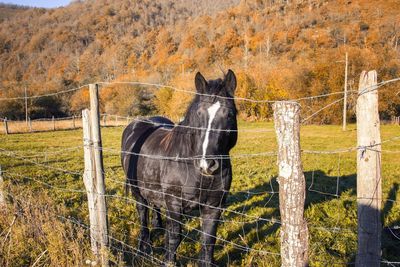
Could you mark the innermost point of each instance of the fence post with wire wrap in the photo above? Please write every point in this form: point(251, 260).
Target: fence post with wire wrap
point(89, 179)
point(292, 185)
point(99, 171)
point(369, 183)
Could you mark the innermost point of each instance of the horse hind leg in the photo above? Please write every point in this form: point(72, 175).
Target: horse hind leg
point(144, 244)
point(156, 221)
point(173, 233)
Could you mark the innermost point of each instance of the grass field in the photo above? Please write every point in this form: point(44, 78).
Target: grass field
point(41, 225)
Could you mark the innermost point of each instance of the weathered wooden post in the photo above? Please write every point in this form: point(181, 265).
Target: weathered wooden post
point(30, 124)
point(73, 121)
point(98, 160)
point(54, 123)
point(292, 185)
point(105, 120)
point(2, 198)
point(6, 126)
point(89, 179)
point(369, 188)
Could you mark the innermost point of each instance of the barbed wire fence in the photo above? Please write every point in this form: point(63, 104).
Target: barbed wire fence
point(247, 194)
point(238, 212)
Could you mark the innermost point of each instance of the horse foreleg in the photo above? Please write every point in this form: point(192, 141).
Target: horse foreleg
point(173, 234)
point(210, 218)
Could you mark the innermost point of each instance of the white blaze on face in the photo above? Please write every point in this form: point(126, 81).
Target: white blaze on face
point(212, 111)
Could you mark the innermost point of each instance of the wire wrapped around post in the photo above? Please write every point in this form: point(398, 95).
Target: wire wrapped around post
point(292, 185)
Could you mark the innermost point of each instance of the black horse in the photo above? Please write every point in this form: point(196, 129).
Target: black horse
point(184, 167)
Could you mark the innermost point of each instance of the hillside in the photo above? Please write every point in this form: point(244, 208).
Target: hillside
point(278, 50)
point(8, 11)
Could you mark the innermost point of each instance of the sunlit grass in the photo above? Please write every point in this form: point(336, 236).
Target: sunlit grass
point(332, 219)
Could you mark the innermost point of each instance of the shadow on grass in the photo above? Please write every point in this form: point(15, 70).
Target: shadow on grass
point(319, 188)
point(391, 233)
point(263, 200)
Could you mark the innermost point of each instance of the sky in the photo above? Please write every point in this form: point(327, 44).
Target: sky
point(38, 3)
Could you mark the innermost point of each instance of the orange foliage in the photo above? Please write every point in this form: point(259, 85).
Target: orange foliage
point(279, 51)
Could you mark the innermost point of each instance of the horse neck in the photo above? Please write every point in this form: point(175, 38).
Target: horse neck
point(186, 137)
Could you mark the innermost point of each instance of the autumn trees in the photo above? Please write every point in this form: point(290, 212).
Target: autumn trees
point(280, 50)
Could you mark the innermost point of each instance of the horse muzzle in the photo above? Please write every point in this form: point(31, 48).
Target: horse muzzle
point(208, 166)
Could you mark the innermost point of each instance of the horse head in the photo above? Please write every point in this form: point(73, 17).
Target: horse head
point(214, 113)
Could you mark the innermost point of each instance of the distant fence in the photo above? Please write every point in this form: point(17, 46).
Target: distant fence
point(75, 122)
point(55, 124)
point(396, 120)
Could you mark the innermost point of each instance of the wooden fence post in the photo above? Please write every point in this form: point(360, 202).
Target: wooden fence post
point(73, 121)
point(54, 123)
point(6, 126)
point(89, 179)
point(30, 124)
point(98, 159)
point(105, 120)
point(369, 187)
point(292, 185)
point(2, 198)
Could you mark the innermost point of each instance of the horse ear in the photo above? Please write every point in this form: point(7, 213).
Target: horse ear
point(201, 83)
point(230, 82)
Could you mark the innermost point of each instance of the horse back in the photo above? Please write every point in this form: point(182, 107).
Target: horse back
point(133, 139)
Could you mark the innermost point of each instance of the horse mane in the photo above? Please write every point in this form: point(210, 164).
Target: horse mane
point(185, 134)
point(166, 141)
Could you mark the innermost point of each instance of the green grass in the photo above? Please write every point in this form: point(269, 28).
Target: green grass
point(331, 219)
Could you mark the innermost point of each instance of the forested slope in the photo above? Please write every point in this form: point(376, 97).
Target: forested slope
point(279, 51)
